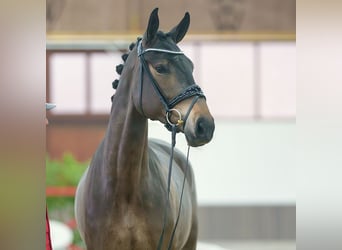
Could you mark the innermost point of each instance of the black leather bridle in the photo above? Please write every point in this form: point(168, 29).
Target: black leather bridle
point(192, 91)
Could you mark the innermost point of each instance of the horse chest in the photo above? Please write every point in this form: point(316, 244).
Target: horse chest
point(128, 231)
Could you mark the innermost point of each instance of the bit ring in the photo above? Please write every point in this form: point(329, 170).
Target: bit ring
point(179, 121)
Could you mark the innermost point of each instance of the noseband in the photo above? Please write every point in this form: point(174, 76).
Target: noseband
point(192, 90)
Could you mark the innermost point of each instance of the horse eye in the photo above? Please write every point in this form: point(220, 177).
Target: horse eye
point(161, 69)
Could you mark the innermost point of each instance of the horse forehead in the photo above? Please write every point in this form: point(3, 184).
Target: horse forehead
point(183, 60)
point(164, 41)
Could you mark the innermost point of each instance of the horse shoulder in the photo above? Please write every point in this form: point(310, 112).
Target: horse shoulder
point(179, 158)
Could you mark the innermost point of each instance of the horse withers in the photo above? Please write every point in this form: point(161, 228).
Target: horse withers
point(122, 197)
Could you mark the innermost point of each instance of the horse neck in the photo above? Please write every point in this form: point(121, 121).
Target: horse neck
point(125, 144)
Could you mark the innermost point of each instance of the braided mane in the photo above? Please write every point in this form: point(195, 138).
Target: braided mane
point(120, 67)
point(161, 35)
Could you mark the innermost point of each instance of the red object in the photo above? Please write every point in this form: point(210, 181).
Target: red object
point(53, 191)
point(60, 191)
point(48, 236)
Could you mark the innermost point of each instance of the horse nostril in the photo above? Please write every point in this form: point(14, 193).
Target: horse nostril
point(200, 129)
point(204, 129)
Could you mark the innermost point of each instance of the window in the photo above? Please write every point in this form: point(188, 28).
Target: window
point(247, 79)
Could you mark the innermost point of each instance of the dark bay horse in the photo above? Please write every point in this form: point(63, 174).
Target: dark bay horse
point(122, 196)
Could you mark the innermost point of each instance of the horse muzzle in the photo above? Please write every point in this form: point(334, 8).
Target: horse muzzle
point(200, 132)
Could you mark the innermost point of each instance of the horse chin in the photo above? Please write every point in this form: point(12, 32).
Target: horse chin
point(195, 142)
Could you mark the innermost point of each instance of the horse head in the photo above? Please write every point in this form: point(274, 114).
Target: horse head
point(165, 88)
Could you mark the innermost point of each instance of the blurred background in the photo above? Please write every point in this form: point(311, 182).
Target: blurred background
point(244, 53)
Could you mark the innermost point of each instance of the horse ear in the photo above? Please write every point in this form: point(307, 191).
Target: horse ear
point(178, 32)
point(153, 25)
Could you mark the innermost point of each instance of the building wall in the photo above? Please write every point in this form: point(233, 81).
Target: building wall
point(75, 136)
point(208, 16)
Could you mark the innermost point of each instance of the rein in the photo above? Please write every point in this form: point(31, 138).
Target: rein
point(191, 91)
point(161, 238)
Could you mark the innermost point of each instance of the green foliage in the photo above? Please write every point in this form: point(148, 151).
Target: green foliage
point(64, 172)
